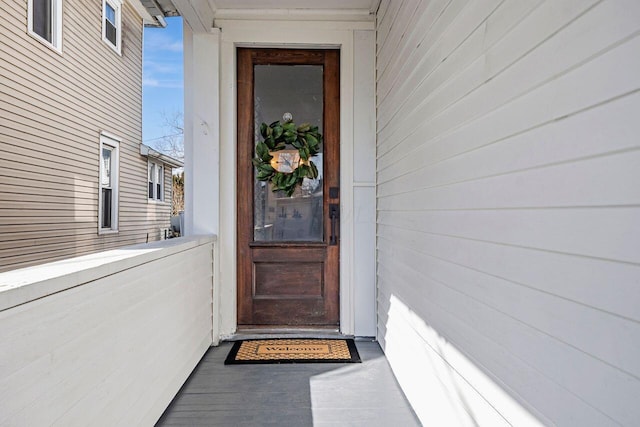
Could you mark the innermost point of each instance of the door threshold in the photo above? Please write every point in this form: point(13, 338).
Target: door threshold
point(288, 332)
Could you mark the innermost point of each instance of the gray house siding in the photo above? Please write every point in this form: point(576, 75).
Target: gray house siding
point(508, 209)
point(53, 108)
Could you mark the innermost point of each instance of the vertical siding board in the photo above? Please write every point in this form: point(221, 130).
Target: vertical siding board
point(506, 215)
point(54, 107)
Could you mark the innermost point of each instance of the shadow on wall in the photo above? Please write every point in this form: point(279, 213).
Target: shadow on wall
point(443, 385)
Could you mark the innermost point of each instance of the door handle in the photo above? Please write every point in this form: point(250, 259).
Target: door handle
point(334, 215)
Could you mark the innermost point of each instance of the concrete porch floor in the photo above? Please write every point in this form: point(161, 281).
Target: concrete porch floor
point(362, 394)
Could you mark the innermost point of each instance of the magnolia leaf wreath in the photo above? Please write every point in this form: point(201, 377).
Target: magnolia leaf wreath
point(278, 136)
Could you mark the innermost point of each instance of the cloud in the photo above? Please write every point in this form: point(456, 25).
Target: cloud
point(156, 41)
point(162, 74)
point(170, 67)
point(146, 81)
point(161, 83)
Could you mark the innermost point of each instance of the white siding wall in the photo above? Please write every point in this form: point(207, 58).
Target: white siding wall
point(508, 163)
point(106, 339)
point(53, 107)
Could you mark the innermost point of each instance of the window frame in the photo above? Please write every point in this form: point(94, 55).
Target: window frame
point(116, 5)
point(155, 166)
point(112, 142)
point(56, 25)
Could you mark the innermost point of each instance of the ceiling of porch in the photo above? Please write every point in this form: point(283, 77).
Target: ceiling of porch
point(295, 4)
point(200, 14)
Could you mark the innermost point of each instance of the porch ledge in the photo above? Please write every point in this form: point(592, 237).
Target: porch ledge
point(28, 284)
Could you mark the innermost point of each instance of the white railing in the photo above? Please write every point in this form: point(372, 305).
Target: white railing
point(104, 339)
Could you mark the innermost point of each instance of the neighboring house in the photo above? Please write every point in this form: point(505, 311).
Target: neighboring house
point(74, 177)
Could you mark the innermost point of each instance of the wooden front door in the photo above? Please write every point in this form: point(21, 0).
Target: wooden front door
point(288, 247)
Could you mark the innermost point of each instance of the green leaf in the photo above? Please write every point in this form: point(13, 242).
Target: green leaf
point(290, 138)
point(304, 127)
point(313, 150)
point(264, 175)
point(304, 153)
point(305, 138)
point(266, 167)
point(311, 139)
point(314, 170)
point(271, 142)
point(262, 150)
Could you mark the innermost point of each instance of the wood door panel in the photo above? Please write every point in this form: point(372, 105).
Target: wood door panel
point(289, 312)
point(282, 282)
point(285, 280)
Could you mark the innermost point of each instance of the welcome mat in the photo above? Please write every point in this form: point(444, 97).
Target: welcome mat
point(293, 351)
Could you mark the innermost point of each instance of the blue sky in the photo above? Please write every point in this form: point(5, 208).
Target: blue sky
point(162, 81)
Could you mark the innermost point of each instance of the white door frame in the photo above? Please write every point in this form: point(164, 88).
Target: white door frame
point(302, 34)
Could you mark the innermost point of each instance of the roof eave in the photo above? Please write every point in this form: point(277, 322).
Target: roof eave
point(149, 152)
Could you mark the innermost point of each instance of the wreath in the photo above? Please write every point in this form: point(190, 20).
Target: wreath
point(277, 137)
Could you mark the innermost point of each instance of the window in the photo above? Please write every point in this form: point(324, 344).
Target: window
point(108, 188)
point(112, 23)
point(45, 21)
point(156, 181)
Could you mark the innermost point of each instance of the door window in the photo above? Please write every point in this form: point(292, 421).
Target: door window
point(293, 92)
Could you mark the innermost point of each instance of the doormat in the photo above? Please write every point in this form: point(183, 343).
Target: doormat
point(293, 351)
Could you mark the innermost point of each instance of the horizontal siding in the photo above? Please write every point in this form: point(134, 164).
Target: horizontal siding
point(52, 109)
point(112, 350)
point(507, 211)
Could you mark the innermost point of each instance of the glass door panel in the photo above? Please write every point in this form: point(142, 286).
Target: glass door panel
point(297, 91)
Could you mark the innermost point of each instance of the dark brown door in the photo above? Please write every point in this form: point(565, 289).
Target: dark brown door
point(288, 247)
